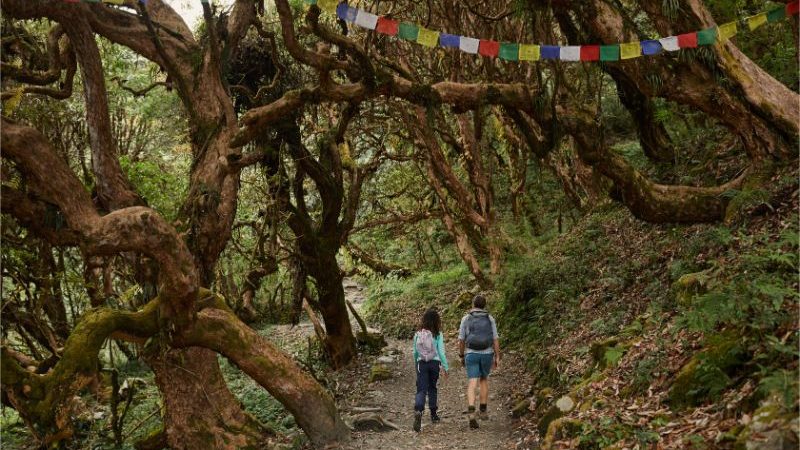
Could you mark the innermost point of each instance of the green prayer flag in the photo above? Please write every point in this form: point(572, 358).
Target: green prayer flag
point(408, 31)
point(509, 51)
point(707, 36)
point(609, 53)
point(776, 14)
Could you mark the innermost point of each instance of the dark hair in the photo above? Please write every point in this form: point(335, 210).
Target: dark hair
point(431, 321)
point(479, 301)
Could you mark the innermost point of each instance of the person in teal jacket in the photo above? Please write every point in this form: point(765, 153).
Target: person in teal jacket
point(429, 365)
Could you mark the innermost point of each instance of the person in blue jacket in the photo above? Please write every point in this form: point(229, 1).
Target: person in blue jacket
point(429, 360)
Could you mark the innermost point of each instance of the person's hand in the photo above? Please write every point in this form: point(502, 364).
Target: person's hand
point(463, 363)
point(496, 363)
point(444, 372)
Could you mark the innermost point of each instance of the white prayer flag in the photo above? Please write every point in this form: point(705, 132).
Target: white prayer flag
point(468, 44)
point(570, 53)
point(366, 20)
point(670, 44)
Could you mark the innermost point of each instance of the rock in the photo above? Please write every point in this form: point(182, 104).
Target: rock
point(463, 300)
point(522, 408)
point(772, 427)
point(563, 405)
point(386, 359)
point(607, 352)
point(363, 409)
point(561, 429)
point(371, 422)
point(379, 372)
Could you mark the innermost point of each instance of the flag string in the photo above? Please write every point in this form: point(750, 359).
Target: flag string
point(511, 51)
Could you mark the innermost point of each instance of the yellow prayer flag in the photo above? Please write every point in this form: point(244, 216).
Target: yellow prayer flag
point(114, 2)
point(328, 5)
point(756, 21)
point(529, 52)
point(727, 31)
point(630, 50)
point(428, 38)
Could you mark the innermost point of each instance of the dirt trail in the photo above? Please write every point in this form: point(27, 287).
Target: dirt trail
point(395, 397)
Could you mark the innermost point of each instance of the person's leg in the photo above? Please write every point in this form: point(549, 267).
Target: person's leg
point(472, 362)
point(486, 368)
point(433, 380)
point(419, 400)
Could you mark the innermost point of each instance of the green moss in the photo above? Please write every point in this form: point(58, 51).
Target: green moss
point(379, 372)
point(709, 372)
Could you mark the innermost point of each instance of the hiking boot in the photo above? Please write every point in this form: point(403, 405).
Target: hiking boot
point(417, 421)
point(483, 415)
point(435, 417)
point(473, 421)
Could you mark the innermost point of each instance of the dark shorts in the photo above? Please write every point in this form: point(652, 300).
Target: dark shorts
point(479, 365)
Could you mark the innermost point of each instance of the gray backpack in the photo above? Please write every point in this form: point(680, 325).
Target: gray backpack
point(425, 346)
point(479, 331)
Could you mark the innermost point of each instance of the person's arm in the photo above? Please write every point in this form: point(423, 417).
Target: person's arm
point(441, 352)
point(496, 343)
point(462, 332)
point(414, 345)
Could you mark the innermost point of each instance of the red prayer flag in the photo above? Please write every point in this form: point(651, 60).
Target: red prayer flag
point(387, 26)
point(793, 8)
point(489, 48)
point(590, 52)
point(688, 40)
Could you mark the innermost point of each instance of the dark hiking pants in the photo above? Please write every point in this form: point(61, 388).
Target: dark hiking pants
point(427, 377)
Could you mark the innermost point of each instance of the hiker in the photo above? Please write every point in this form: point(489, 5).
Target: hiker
point(429, 359)
point(479, 349)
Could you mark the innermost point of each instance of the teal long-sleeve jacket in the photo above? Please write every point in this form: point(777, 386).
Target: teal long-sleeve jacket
point(440, 354)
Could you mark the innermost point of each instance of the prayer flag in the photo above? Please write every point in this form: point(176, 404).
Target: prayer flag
point(468, 44)
point(489, 48)
point(727, 31)
point(550, 51)
point(115, 2)
point(630, 50)
point(366, 20)
point(408, 31)
point(590, 53)
point(707, 36)
point(449, 40)
point(793, 8)
point(776, 14)
point(651, 47)
point(509, 51)
point(428, 38)
point(756, 21)
point(570, 53)
point(670, 44)
point(387, 26)
point(528, 52)
point(328, 5)
point(346, 13)
point(609, 52)
point(687, 40)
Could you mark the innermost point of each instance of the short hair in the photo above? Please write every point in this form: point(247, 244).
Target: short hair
point(479, 301)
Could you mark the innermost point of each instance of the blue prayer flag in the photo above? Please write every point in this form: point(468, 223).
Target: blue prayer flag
point(651, 47)
point(346, 12)
point(449, 40)
point(550, 51)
